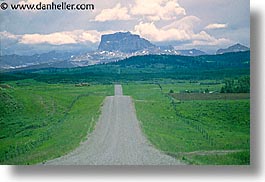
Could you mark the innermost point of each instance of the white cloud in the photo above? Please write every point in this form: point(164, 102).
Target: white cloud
point(7, 35)
point(57, 38)
point(181, 30)
point(179, 26)
point(215, 26)
point(152, 33)
point(185, 23)
point(152, 10)
point(54, 39)
point(60, 38)
point(204, 38)
point(156, 10)
point(90, 36)
point(116, 13)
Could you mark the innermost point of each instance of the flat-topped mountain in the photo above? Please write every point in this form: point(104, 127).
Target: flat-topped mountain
point(124, 42)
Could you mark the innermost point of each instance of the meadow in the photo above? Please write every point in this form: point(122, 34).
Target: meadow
point(46, 113)
point(205, 131)
point(190, 120)
point(41, 121)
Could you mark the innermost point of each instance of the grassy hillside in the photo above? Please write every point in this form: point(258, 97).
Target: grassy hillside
point(40, 121)
point(206, 131)
point(146, 68)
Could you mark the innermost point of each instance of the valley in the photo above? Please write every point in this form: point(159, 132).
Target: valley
point(195, 109)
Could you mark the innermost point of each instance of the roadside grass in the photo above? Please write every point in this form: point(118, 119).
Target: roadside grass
point(42, 121)
point(195, 125)
point(234, 158)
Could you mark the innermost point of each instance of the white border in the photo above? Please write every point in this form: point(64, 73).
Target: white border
point(254, 173)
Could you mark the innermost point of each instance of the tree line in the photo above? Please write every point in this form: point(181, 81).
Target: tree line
point(240, 85)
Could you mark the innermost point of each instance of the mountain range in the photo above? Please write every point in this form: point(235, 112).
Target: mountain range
point(112, 48)
point(233, 48)
point(151, 68)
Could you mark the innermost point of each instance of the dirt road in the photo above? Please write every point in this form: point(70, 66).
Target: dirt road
point(116, 140)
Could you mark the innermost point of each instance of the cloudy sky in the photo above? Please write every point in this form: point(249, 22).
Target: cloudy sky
point(204, 24)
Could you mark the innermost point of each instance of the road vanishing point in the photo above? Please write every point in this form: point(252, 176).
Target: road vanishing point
point(117, 139)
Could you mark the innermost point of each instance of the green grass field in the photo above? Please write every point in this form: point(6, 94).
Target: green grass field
point(45, 113)
point(207, 131)
point(42, 121)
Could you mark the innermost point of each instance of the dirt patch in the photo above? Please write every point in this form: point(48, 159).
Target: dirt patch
point(6, 86)
point(210, 96)
point(211, 152)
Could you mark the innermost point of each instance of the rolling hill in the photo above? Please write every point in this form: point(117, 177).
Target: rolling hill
point(148, 67)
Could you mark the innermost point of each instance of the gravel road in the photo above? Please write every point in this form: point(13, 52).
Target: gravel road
point(116, 140)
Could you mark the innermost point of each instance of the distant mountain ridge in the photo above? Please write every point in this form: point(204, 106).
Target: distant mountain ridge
point(221, 61)
point(191, 52)
point(149, 68)
point(233, 48)
point(18, 61)
point(124, 42)
point(112, 48)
